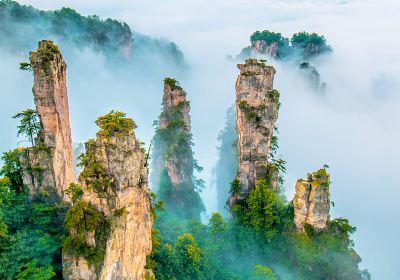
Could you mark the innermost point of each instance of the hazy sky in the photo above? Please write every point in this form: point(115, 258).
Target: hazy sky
point(355, 128)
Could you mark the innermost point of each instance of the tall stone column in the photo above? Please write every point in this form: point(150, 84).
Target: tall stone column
point(114, 181)
point(257, 106)
point(48, 166)
point(311, 201)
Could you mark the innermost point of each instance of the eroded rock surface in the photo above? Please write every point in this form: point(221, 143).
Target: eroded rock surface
point(48, 167)
point(174, 103)
point(115, 182)
point(311, 201)
point(257, 106)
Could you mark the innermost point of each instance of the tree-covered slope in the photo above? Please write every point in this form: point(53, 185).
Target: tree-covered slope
point(22, 26)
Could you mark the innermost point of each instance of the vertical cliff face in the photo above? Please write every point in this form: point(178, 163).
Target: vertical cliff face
point(48, 167)
point(311, 201)
point(114, 182)
point(257, 105)
point(263, 47)
point(174, 103)
point(172, 155)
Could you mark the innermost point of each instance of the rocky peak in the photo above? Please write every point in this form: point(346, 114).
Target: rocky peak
point(173, 164)
point(48, 167)
point(175, 109)
point(174, 99)
point(311, 200)
point(263, 47)
point(257, 106)
point(114, 181)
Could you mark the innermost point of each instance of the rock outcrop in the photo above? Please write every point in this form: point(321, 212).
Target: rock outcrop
point(264, 47)
point(257, 106)
point(172, 155)
point(174, 103)
point(311, 201)
point(48, 167)
point(114, 182)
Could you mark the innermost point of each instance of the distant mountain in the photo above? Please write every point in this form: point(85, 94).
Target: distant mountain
point(22, 26)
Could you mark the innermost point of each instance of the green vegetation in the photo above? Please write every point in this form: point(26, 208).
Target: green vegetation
point(303, 44)
point(11, 169)
point(236, 187)
point(75, 192)
point(94, 174)
point(47, 55)
point(29, 125)
point(174, 84)
point(172, 152)
point(114, 123)
point(30, 232)
point(261, 242)
point(268, 38)
point(304, 38)
point(25, 66)
point(264, 272)
point(311, 44)
point(120, 212)
point(251, 113)
point(83, 219)
point(102, 35)
point(21, 25)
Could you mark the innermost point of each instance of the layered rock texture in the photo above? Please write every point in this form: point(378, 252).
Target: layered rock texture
point(175, 106)
point(264, 47)
point(311, 201)
point(48, 167)
point(257, 106)
point(114, 182)
point(172, 156)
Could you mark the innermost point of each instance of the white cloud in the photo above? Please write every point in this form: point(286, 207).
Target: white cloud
point(355, 129)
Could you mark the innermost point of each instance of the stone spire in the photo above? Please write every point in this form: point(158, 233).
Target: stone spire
point(48, 167)
point(257, 105)
point(115, 182)
point(172, 155)
point(174, 102)
point(311, 201)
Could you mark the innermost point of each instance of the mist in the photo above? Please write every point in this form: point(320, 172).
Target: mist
point(353, 127)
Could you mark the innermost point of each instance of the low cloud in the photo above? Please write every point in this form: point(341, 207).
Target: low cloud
point(353, 128)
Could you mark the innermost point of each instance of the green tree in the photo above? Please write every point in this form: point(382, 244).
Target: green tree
point(263, 272)
point(217, 225)
point(11, 169)
point(33, 271)
point(264, 210)
point(29, 124)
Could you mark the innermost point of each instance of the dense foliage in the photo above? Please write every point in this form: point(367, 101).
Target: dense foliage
point(114, 123)
point(260, 243)
point(81, 220)
point(268, 38)
point(30, 232)
point(302, 44)
point(22, 26)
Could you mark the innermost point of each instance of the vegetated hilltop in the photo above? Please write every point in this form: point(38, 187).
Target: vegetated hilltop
point(21, 26)
point(302, 45)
